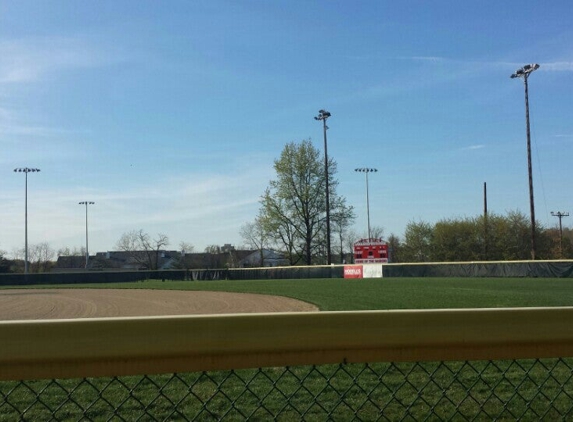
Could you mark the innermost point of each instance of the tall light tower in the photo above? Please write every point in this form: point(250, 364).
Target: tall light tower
point(560, 215)
point(86, 203)
point(366, 171)
point(323, 115)
point(524, 73)
point(26, 170)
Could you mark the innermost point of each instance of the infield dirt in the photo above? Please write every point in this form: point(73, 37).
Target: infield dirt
point(27, 304)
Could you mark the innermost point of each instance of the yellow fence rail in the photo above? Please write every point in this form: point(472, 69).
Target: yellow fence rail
point(152, 345)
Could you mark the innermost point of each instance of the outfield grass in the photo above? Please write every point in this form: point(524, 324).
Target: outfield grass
point(386, 293)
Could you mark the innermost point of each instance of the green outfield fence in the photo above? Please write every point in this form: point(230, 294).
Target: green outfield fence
point(545, 269)
point(486, 364)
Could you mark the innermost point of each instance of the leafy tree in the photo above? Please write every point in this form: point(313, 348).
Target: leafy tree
point(418, 238)
point(567, 243)
point(457, 240)
point(499, 238)
point(394, 248)
point(142, 248)
point(294, 206)
point(279, 226)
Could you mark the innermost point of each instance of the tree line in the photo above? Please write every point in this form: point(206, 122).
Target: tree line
point(490, 237)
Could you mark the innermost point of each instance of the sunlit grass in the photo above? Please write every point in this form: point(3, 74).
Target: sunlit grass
point(385, 293)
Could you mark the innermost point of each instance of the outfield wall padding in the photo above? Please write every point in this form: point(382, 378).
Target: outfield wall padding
point(560, 269)
point(544, 269)
point(332, 271)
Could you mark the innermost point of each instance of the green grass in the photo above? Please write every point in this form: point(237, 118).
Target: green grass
point(506, 390)
point(387, 293)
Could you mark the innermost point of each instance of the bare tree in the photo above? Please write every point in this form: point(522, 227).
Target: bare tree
point(341, 218)
point(41, 257)
point(75, 251)
point(4, 263)
point(186, 247)
point(256, 237)
point(377, 232)
point(185, 261)
point(213, 249)
point(142, 248)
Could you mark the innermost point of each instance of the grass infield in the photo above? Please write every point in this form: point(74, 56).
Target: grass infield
point(386, 293)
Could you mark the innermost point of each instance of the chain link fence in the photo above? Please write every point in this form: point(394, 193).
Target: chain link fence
point(539, 389)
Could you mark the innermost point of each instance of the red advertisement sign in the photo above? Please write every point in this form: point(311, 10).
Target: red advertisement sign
point(353, 271)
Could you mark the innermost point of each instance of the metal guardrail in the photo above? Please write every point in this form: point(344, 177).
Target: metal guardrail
point(419, 365)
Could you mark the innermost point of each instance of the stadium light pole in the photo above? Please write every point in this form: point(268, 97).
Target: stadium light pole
point(366, 171)
point(26, 170)
point(86, 203)
point(560, 215)
point(323, 115)
point(524, 73)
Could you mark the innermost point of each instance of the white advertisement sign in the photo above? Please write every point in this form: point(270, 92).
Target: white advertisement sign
point(372, 271)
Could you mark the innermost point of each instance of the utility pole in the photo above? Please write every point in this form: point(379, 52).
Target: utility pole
point(485, 222)
point(560, 215)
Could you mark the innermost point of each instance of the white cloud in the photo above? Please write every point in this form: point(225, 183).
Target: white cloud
point(558, 66)
point(432, 59)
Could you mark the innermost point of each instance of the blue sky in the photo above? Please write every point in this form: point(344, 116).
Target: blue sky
point(168, 115)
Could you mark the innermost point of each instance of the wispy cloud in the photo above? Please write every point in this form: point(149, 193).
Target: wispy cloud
point(474, 147)
point(558, 66)
point(432, 59)
point(197, 207)
point(30, 60)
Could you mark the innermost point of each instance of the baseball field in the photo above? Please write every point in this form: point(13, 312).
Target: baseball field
point(155, 297)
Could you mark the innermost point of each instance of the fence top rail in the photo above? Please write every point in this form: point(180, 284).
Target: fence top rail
point(149, 345)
